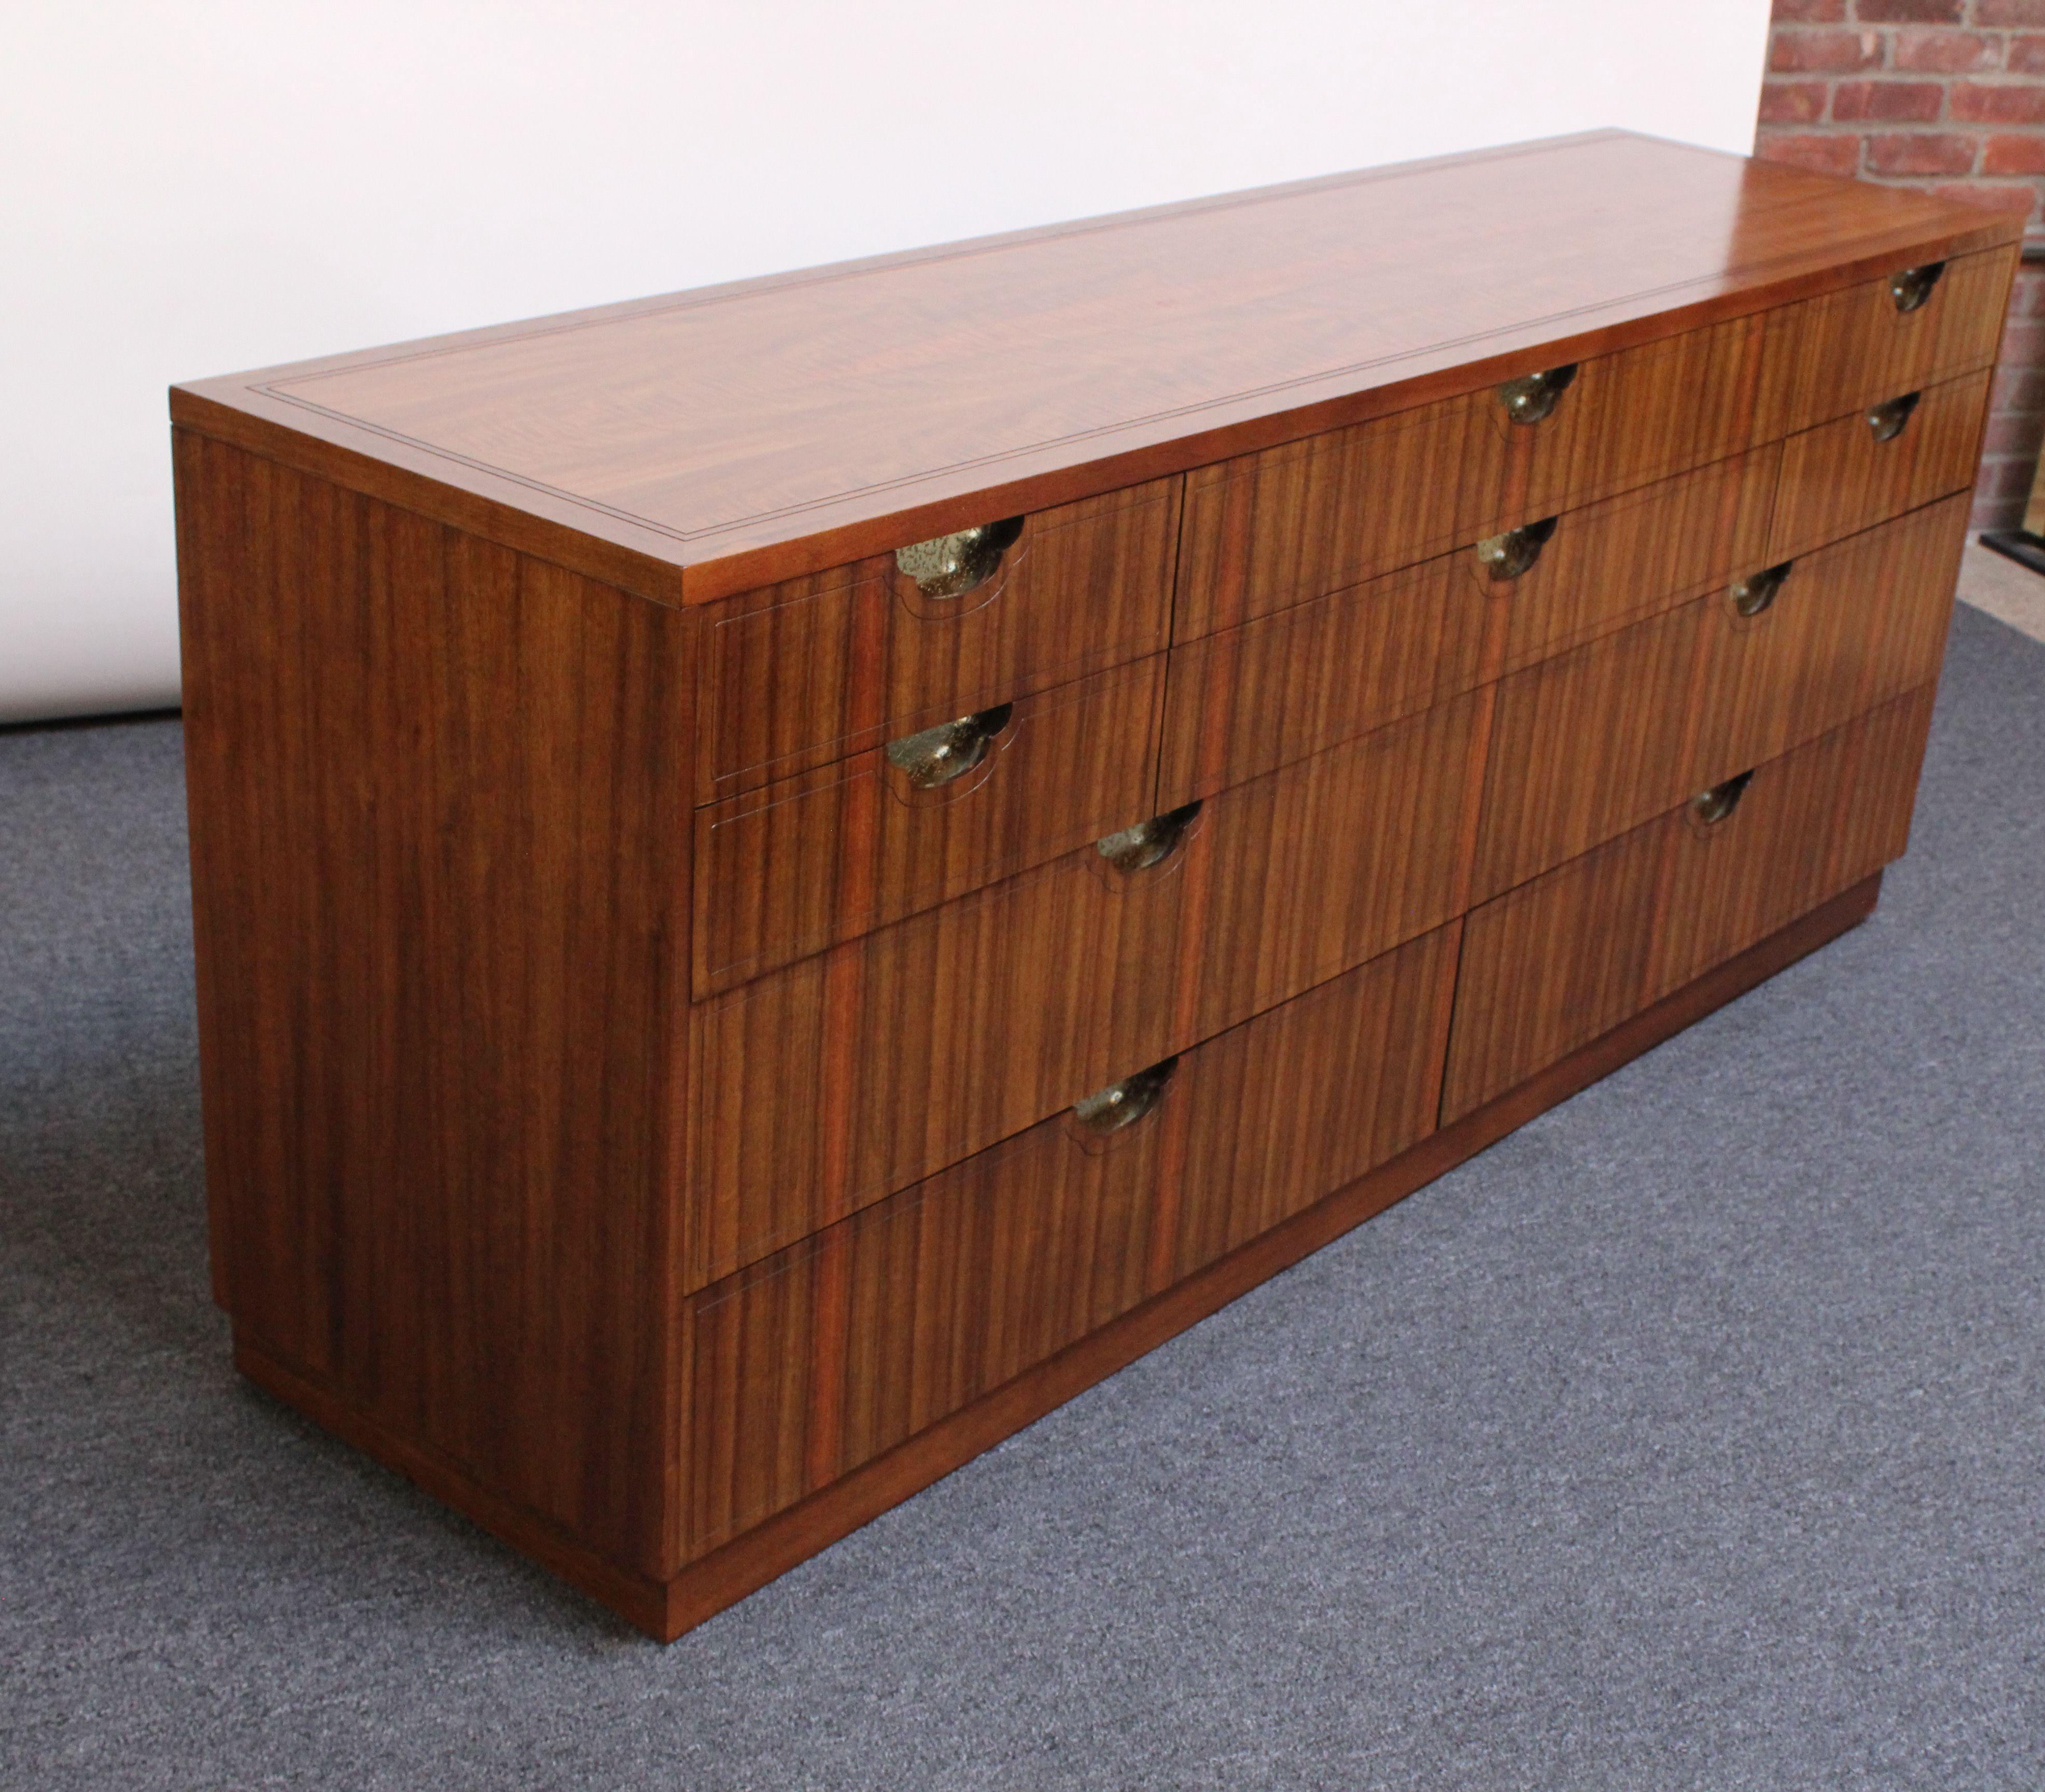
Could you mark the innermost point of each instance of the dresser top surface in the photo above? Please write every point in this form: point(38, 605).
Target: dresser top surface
point(719, 425)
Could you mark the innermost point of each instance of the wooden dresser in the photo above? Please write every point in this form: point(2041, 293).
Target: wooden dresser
point(787, 875)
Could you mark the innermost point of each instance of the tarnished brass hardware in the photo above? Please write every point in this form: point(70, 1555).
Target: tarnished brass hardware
point(949, 750)
point(1514, 553)
point(1911, 286)
point(952, 565)
point(1757, 591)
point(1125, 1102)
point(1887, 420)
point(1721, 799)
point(1531, 396)
point(1134, 849)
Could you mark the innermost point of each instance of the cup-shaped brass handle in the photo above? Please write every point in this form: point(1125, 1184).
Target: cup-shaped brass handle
point(1531, 396)
point(1134, 849)
point(952, 565)
point(1721, 799)
point(938, 755)
point(1911, 286)
point(1125, 1102)
point(1887, 419)
point(1757, 591)
point(1507, 556)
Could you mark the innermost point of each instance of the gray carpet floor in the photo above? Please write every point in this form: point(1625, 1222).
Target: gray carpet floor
point(1693, 1437)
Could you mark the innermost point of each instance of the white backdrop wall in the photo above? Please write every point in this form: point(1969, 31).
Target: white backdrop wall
point(192, 189)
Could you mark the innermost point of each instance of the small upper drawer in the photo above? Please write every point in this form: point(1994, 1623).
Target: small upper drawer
point(828, 854)
point(1903, 331)
point(816, 668)
point(1846, 475)
point(1584, 430)
point(1267, 530)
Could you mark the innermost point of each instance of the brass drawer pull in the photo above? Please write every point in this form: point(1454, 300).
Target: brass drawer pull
point(952, 565)
point(1911, 286)
point(1757, 591)
point(1148, 842)
point(1514, 553)
point(1125, 1102)
point(1531, 396)
point(1887, 420)
point(1715, 805)
point(949, 750)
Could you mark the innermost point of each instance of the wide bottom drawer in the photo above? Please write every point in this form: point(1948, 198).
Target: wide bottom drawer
point(1557, 963)
point(812, 1362)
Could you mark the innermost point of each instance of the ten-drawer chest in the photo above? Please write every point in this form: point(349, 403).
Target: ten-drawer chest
point(785, 876)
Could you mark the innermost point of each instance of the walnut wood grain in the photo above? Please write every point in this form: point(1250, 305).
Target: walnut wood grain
point(1253, 698)
point(1625, 420)
point(1557, 961)
point(789, 870)
point(823, 1357)
point(822, 667)
point(435, 904)
point(1628, 557)
point(1839, 477)
point(932, 1039)
point(1853, 626)
point(1280, 527)
point(1250, 699)
point(1827, 357)
point(709, 443)
point(1595, 742)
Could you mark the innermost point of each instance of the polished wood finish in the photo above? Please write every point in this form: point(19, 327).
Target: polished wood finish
point(822, 667)
point(928, 1041)
point(789, 870)
point(439, 1006)
point(825, 1355)
point(1258, 696)
point(660, 1119)
point(1276, 528)
point(1633, 556)
point(1589, 744)
point(1624, 420)
point(694, 445)
point(1560, 960)
point(1842, 476)
point(1850, 349)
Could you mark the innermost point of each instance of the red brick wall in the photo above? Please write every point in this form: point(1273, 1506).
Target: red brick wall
point(1947, 96)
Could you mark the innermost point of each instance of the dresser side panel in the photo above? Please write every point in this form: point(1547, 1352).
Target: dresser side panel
point(437, 790)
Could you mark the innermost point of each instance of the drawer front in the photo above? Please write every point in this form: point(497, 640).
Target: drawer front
point(833, 853)
point(1622, 420)
point(1250, 699)
point(1253, 698)
point(818, 1359)
point(1626, 558)
point(1828, 357)
point(1588, 745)
point(818, 669)
point(1845, 476)
point(1562, 960)
point(939, 1036)
point(1269, 530)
